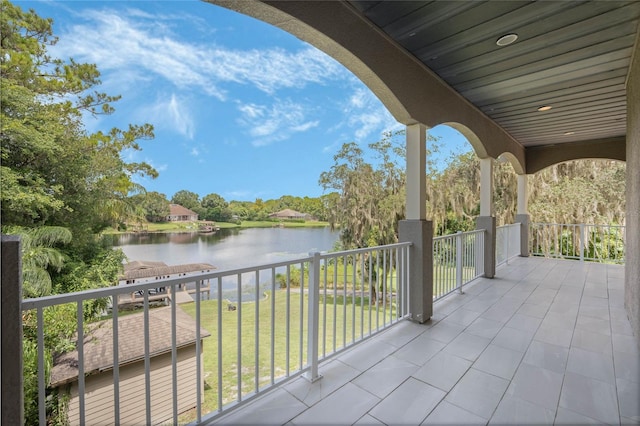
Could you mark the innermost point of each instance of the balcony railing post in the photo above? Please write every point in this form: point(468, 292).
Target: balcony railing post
point(505, 236)
point(313, 314)
point(582, 242)
point(459, 261)
point(12, 381)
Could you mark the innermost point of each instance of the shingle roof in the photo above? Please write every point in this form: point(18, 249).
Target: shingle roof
point(144, 269)
point(98, 342)
point(142, 264)
point(178, 210)
point(287, 213)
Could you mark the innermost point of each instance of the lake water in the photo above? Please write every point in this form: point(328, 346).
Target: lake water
point(227, 248)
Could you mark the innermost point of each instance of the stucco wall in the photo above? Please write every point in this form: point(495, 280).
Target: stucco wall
point(632, 257)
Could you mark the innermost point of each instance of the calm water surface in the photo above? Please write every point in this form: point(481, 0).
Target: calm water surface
point(227, 248)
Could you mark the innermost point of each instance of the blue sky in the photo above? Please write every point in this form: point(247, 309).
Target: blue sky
point(240, 108)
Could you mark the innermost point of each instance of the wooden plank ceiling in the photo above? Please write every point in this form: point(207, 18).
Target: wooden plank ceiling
point(570, 55)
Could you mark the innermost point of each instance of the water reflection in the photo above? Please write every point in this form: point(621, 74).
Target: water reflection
point(230, 249)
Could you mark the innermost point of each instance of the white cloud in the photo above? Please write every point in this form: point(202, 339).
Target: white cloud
point(269, 124)
point(138, 45)
point(171, 113)
point(366, 115)
point(195, 152)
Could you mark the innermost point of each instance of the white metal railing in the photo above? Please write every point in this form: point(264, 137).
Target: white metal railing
point(457, 260)
point(302, 311)
point(507, 242)
point(599, 243)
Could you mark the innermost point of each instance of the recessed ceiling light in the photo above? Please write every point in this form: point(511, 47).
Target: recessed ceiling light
point(544, 108)
point(507, 39)
point(569, 133)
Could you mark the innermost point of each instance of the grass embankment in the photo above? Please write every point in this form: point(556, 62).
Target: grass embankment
point(343, 325)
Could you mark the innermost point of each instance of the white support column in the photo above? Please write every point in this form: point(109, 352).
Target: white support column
point(523, 194)
point(416, 229)
point(522, 214)
point(416, 172)
point(486, 187)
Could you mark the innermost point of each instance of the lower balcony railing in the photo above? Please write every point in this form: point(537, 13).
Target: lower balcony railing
point(507, 242)
point(144, 362)
point(457, 260)
point(598, 243)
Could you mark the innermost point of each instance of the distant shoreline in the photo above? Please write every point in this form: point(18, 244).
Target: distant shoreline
point(192, 227)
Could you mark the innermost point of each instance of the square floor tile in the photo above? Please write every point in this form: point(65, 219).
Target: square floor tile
point(467, 346)
point(591, 364)
point(624, 343)
point(537, 385)
point(595, 312)
point(533, 310)
point(515, 411)
point(462, 316)
point(497, 313)
point(448, 414)
point(627, 366)
point(368, 420)
point(510, 338)
point(443, 370)
point(344, 406)
point(478, 392)
point(547, 356)
point(559, 320)
point(385, 376)
point(524, 322)
point(478, 305)
point(589, 397)
point(554, 335)
point(367, 354)
point(629, 399)
point(444, 332)
point(499, 361)
point(589, 341)
point(571, 418)
point(595, 302)
point(403, 332)
point(277, 407)
point(419, 350)
point(335, 374)
point(410, 403)
point(485, 327)
point(594, 325)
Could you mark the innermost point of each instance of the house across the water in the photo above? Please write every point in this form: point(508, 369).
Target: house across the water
point(177, 213)
point(290, 214)
point(98, 369)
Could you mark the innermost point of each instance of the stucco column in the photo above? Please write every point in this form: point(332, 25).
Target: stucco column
point(487, 220)
point(416, 229)
point(522, 214)
point(632, 214)
point(12, 384)
point(416, 146)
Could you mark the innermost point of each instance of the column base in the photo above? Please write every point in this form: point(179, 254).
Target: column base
point(523, 219)
point(488, 223)
point(420, 234)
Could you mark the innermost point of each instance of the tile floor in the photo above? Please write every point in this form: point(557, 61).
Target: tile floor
point(544, 342)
